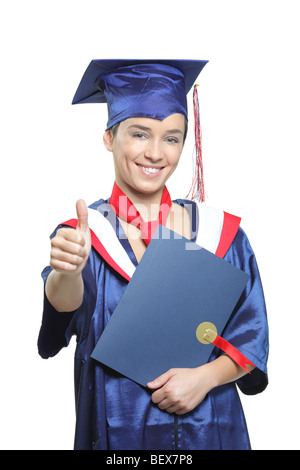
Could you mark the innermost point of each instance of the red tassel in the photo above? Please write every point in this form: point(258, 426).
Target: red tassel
point(197, 189)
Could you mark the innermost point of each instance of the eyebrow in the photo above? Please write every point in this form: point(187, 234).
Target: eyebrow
point(175, 131)
point(143, 128)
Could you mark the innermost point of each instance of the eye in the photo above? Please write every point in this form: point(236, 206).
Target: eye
point(172, 140)
point(139, 135)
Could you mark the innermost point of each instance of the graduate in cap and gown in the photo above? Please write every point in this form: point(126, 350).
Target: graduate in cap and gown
point(94, 257)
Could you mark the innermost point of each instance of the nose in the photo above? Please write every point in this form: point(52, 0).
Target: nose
point(154, 151)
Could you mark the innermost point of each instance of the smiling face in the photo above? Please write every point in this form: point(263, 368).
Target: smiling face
point(146, 152)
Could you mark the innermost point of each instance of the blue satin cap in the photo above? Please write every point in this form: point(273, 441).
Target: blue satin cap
point(139, 88)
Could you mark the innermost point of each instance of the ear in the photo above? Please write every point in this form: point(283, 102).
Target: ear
point(108, 140)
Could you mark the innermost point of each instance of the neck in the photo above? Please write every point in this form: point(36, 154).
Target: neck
point(146, 203)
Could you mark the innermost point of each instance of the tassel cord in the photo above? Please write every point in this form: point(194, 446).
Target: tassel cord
point(197, 189)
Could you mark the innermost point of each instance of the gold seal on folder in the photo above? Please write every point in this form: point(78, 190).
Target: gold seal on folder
point(206, 332)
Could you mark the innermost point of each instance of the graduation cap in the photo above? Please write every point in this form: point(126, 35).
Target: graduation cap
point(173, 311)
point(138, 88)
point(145, 88)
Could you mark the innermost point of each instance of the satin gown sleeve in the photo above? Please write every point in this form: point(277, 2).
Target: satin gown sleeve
point(247, 329)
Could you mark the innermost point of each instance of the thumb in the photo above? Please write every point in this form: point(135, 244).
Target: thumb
point(82, 215)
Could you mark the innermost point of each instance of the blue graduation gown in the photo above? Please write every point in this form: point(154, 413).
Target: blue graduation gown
point(115, 413)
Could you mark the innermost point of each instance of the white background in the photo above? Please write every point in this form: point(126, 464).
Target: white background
point(52, 154)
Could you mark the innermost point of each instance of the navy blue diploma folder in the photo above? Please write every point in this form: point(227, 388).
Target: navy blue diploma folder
point(176, 286)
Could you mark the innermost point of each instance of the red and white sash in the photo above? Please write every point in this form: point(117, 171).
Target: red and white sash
point(217, 229)
point(216, 232)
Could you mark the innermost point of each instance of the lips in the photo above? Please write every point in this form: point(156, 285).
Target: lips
point(150, 170)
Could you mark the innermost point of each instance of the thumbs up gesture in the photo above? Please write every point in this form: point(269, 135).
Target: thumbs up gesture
point(82, 216)
point(70, 248)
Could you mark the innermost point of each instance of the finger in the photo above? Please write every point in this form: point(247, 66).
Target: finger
point(66, 256)
point(165, 405)
point(161, 380)
point(72, 247)
point(173, 409)
point(62, 266)
point(169, 405)
point(70, 235)
point(159, 396)
point(82, 215)
point(181, 411)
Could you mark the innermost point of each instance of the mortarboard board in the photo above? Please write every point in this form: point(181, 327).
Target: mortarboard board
point(176, 287)
point(138, 88)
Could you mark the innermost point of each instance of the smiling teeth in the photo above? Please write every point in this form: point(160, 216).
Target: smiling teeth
point(150, 170)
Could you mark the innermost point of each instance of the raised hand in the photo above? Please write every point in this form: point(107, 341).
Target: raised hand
point(70, 248)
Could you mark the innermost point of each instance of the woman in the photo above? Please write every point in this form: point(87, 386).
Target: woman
point(195, 408)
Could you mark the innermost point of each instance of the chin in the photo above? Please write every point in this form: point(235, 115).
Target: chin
point(149, 187)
